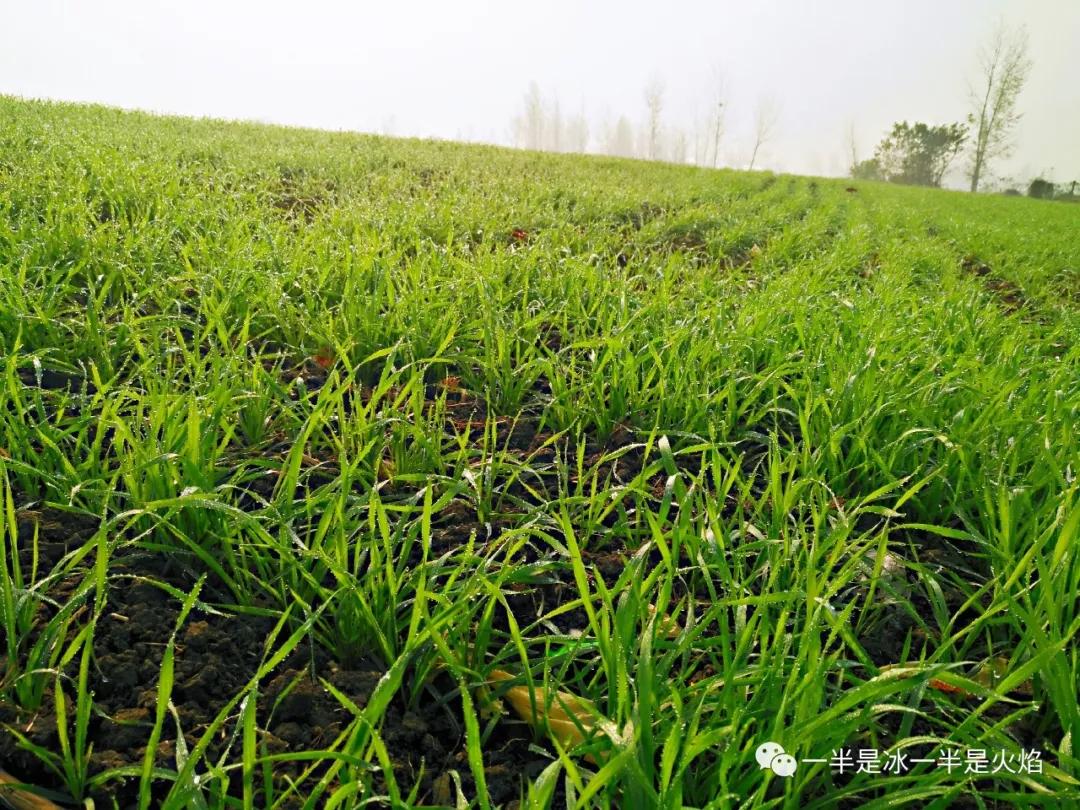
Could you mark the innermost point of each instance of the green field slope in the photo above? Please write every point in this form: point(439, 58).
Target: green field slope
point(340, 469)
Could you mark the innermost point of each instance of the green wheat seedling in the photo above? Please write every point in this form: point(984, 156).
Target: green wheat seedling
point(728, 458)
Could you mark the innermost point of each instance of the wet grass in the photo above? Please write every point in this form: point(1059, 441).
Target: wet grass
point(729, 458)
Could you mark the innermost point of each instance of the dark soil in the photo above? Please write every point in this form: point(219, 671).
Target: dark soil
point(216, 656)
point(51, 380)
point(1009, 295)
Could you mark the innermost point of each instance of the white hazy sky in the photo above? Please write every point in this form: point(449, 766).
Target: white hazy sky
point(459, 70)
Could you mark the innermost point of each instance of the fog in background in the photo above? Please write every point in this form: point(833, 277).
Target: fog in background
point(462, 70)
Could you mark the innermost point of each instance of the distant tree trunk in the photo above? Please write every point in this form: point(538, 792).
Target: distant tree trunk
point(577, 132)
point(654, 101)
point(556, 128)
point(978, 157)
point(620, 138)
point(533, 122)
point(679, 147)
point(718, 103)
point(853, 146)
point(718, 129)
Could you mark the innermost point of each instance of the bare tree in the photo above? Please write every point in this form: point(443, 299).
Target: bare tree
point(1003, 70)
point(641, 141)
point(717, 102)
point(654, 102)
point(853, 147)
point(764, 124)
point(717, 132)
point(620, 138)
point(679, 146)
point(555, 130)
point(577, 132)
point(698, 152)
point(532, 121)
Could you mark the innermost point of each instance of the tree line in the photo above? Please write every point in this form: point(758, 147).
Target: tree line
point(543, 124)
point(915, 153)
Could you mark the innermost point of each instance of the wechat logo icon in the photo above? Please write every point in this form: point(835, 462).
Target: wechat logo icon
point(771, 755)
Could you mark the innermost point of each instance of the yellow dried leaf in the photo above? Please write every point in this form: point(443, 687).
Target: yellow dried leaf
point(21, 799)
point(987, 675)
point(990, 673)
point(568, 718)
point(441, 791)
point(667, 625)
point(385, 469)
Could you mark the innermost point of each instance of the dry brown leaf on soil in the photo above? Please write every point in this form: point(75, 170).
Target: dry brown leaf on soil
point(385, 469)
point(324, 358)
point(667, 626)
point(987, 675)
point(570, 719)
point(21, 799)
point(992, 672)
point(441, 790)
